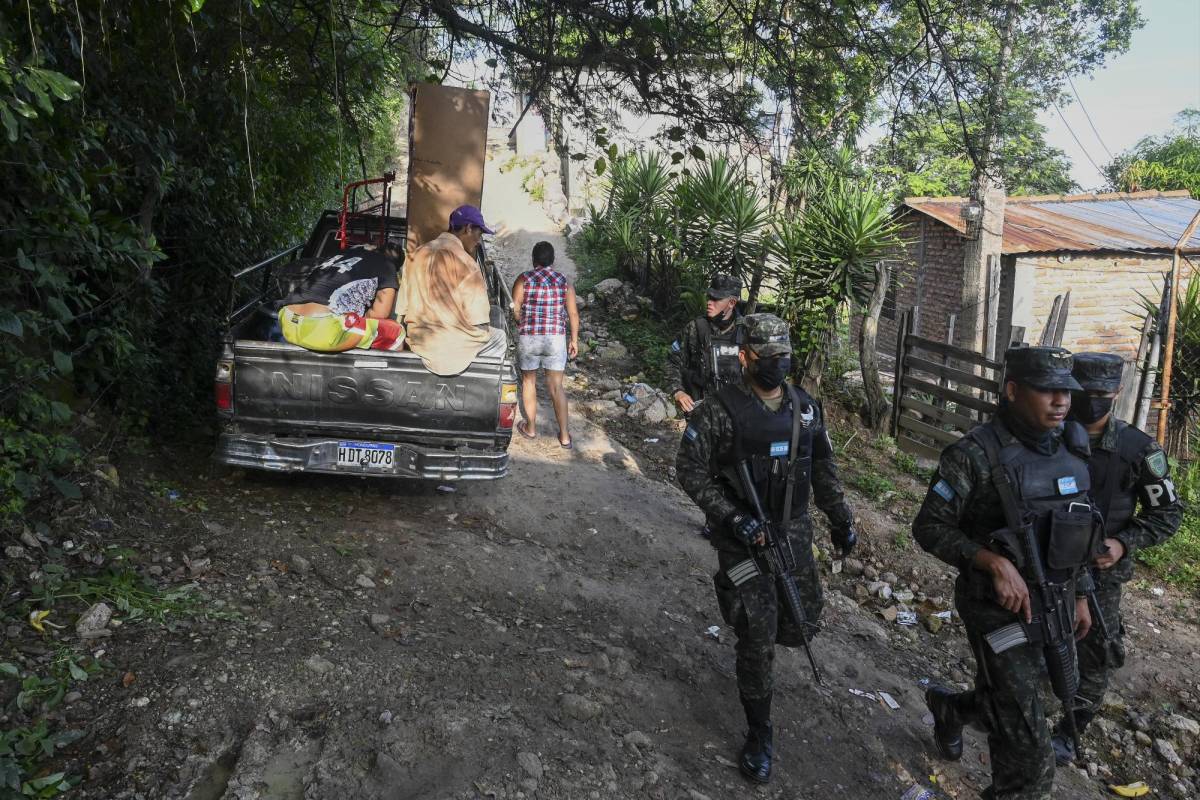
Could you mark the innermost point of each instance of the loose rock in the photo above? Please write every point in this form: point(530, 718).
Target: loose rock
point(94, 622)
point(1166, 751)
point(579, 707)
point(531, 764)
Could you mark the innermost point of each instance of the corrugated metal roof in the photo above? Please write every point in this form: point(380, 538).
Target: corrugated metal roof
point(1141, 221)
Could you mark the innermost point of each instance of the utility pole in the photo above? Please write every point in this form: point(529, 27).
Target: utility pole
point(989, 197)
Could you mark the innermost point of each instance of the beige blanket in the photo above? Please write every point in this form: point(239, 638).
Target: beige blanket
point(443, 301)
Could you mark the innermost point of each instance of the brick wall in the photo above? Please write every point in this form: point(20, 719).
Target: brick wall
point(1106, 311)
point(931, 264)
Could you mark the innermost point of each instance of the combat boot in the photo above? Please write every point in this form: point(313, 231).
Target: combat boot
point(1061, 742)
point(947, 721)
point(1064, 749)
point(758, 750)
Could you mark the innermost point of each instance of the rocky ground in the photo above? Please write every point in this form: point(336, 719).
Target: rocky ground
point(547, 636)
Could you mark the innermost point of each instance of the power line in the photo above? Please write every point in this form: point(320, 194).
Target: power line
point(1083, 108)
point(1092, 161)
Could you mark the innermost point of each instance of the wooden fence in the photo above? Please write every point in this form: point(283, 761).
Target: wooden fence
point(940, 391)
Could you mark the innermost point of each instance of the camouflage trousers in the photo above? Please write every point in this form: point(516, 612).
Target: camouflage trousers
point(1098, 657)
point(759, 615)
point(1008, 703)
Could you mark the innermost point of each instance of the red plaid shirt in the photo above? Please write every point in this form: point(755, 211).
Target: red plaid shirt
point(543, 309)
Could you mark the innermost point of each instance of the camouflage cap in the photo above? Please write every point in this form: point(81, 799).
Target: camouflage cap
point(1098, 372)
point(766, 335)
point(1040, 367)
point(722, 286)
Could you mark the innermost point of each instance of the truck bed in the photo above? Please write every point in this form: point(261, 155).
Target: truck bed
point(362, 412)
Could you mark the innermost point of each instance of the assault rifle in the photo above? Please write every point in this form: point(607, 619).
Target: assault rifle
point(1097, 612)
point(1052, 621)
point(780, 560)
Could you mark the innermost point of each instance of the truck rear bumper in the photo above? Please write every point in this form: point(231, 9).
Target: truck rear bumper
point(320, 455)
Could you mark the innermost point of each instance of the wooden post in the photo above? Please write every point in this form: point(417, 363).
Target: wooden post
point(902, 332)
point(1060, 325)
point(1051, 322)
point(1149, 375)
point(1164, 407)
point(993, 306)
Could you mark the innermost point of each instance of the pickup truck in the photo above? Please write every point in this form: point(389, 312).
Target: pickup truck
point(361, 412)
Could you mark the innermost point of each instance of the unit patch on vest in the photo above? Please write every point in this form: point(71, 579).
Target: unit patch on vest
point(675, 346)
point(690, 433)
point(1067, 485)
point(944, 490)
point(779, 449)
point(807, 415)
point(726, 350)
point(1156, 462)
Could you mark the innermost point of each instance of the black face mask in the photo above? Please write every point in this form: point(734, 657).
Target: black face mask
point(1088, 409)
point(769, 373)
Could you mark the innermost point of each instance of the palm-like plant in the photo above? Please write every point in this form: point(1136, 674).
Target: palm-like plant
point(723, 220)
point(1183, 418)
point(833, 257)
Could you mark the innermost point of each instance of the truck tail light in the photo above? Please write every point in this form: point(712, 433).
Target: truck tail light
point(224, 386)
point(508, 415)
point(508, 393)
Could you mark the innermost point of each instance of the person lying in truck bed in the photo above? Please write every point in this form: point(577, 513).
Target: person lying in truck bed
point(344, 301)
point(443, 299)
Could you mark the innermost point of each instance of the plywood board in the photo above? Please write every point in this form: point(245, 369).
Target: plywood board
point(446, 147)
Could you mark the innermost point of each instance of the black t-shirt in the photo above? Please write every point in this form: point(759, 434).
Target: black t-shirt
point(346, 282)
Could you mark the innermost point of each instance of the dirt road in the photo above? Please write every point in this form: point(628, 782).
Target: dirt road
point(542, 637)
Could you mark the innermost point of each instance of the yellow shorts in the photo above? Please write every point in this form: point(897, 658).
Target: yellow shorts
point(328, 333)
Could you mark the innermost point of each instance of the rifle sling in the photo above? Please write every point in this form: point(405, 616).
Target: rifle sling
point(791, 473)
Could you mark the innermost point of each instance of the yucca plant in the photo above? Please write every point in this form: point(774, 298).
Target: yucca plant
point(1184, 415)
point(723, 220)
point(833, 257)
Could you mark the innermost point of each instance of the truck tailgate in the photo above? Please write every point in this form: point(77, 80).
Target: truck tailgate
point(279, 388)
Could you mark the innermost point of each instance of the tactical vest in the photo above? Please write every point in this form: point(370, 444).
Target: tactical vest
point(1052, 491)
point(777, 445)
point(721, 356)
point(1111, 475)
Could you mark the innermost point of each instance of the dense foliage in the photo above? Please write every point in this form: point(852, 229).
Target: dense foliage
point(1167, 162)
point(148, 150)
point(669, 231)
point(926, 156)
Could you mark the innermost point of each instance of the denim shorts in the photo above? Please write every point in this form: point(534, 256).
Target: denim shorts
point(544, 351)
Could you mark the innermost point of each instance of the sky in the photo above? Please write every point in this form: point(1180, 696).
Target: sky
point(1136, 94)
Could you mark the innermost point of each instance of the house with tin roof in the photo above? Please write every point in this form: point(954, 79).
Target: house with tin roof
point(1107, 250)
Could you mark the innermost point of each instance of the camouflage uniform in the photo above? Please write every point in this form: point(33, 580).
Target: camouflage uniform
point(1140, 473)
point(753, 607)
point(689, 361)
point(961, 511)
point(690, 365)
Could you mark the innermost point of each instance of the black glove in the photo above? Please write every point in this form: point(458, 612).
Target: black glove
point(746, 527)
point(844, 540)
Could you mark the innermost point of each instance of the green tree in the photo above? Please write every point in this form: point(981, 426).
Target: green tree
point(926, 156)
point(1167, 162)
point(157, 147)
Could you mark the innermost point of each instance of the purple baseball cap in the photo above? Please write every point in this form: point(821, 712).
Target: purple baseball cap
point(468, 215)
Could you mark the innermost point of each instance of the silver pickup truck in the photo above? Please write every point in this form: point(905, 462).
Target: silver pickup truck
point(362, 412)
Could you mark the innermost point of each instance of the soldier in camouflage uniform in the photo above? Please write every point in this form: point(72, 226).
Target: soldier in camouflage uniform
point(706, 353)
point(780, 432)
point(1126, 466)
point(962, 522)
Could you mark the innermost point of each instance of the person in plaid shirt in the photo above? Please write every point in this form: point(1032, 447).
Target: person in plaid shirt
point(543, 304)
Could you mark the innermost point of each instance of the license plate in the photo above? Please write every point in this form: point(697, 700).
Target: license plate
point(366, 455)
